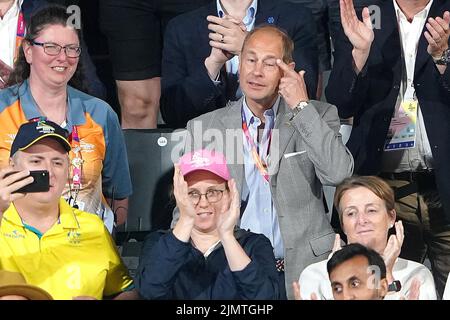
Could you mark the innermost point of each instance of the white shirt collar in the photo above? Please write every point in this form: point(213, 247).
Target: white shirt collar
point(422, 14)
point(271, 112)
point(249, 17)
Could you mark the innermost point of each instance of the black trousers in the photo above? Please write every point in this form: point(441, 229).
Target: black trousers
point(135, 30)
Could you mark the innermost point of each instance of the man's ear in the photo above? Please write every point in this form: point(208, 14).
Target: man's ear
point(382, 292)
point(292, 65)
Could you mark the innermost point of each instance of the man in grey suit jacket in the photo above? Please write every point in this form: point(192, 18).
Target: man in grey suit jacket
point(280, 148)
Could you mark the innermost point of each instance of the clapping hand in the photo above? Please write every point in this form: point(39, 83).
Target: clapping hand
point(226, 38)
point(437, 35)
point(393, 248)
point(185, 224)
point(180, 190)
point(230, 212)
point(359, 33)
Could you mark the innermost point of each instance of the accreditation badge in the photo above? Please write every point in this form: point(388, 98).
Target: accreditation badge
point(402, 130)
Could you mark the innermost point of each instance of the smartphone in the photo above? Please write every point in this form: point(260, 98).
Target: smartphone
point(41, 182)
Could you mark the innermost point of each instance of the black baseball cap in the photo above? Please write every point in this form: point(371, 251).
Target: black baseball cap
point(31, 132)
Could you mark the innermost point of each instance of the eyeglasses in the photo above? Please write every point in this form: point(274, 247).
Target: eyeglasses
point(53, 49)
point(211, 196)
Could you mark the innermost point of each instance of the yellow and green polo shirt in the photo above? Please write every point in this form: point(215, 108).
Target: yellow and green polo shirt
point(75, 257)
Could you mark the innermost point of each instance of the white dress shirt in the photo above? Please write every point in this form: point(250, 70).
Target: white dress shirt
point(420, 156)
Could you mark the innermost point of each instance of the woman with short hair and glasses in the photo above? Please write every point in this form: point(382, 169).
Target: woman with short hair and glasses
point(366, 208)
point(206, 256)
point(44, 83)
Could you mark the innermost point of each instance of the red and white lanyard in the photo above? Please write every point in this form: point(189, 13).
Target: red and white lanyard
point(20, 34)
point(259, 163)
point(77, 164)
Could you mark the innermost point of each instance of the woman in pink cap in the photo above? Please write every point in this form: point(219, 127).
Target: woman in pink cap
point(206, 256)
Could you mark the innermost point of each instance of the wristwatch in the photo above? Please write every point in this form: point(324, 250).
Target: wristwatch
point(299, 107)
point(444, 59)
point(395, 286)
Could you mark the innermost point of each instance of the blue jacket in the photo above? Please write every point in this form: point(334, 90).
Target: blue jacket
point(172, 269)
point(370, 97)
point(187, 91)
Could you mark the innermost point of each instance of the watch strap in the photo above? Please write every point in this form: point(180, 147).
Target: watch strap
point(299, 107)
point(444, 59)
point(395, 286)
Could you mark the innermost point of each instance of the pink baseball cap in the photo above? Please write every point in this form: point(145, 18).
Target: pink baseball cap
point(209, 160)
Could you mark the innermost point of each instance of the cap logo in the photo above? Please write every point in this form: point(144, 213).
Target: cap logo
point(199, 161)
point(44, 128)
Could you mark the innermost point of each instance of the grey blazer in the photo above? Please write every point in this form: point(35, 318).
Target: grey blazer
point(306, 152)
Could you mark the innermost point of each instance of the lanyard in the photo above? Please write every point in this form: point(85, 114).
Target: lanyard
point(20, 34)
point(77, 163)
point(259, 163)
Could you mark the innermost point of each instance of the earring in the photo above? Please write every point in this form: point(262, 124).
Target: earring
point(391, 225)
